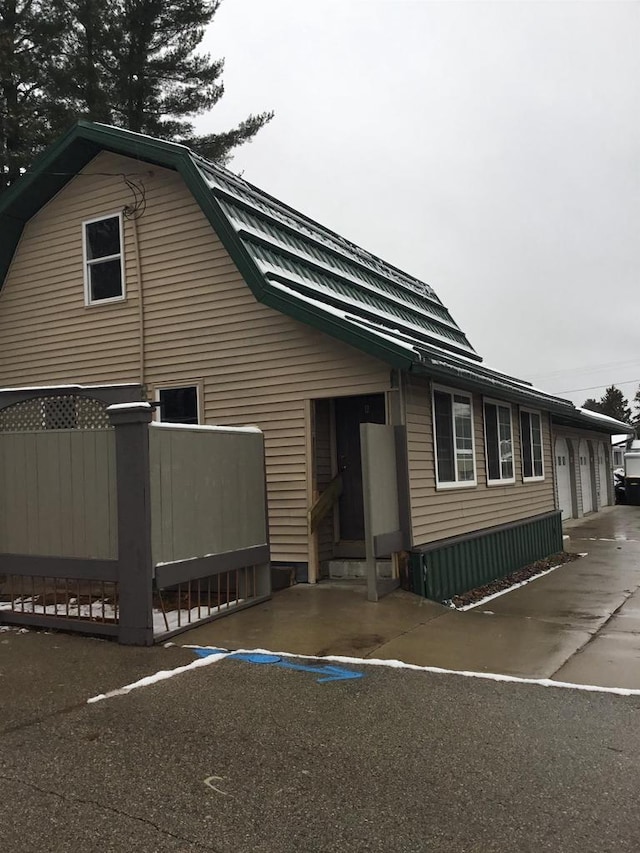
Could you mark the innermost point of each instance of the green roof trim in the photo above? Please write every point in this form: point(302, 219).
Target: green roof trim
point(289, 262)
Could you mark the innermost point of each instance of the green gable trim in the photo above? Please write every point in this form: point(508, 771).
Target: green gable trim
point(395, 356)
point(85, 140)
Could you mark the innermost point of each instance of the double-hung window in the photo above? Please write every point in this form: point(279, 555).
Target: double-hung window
point(453, 428)
point(499, 442)
point(103, 259)
point(531, 437)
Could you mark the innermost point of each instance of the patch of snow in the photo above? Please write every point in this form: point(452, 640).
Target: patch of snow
point(509, 589)
point(598, 416)
point(94, 612)
point(163, 675)
point(70, 387)
point(205, 427)
point(349, 302)
point(275, 211)
point(72, 610)
point(481, 369)
point(120, 407)
point(343, 315)
point(188, 618)
point(334, 270)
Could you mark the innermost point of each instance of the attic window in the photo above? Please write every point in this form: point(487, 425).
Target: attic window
point(103, 261)
point(179, 405)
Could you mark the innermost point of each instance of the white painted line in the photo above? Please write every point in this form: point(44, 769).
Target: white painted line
point(163, 675)
point(602, 539)
point(515, 586)
point(398, 664)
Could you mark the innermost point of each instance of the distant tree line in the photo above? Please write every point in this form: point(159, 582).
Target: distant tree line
point(614, 404)
point(130, 63)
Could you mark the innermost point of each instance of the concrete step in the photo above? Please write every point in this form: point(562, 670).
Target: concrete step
point(356, 569)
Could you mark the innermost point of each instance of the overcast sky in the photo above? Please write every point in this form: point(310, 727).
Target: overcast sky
point(491, 149)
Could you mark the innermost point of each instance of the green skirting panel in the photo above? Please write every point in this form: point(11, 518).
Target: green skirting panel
point(453, 566)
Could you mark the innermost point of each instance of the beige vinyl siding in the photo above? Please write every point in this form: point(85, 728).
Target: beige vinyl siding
point(47, 334)
point(201, 323)
point(437, 514)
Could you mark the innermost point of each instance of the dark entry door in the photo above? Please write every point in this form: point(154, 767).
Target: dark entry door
point(350, 413)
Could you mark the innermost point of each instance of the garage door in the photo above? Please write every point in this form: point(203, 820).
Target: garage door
point(563, 478)
point(585, 477)
point(603, 470)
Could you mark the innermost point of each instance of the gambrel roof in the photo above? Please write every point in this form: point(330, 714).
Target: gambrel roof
point(290, 262)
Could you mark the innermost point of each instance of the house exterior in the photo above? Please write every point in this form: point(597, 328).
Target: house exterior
point(584, 461)
point(131, 262)
point(619, 444)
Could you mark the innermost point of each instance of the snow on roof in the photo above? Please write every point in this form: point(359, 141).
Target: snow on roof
point(119, 407)
point(69, 387)
point(598, 416)
point(620, 439)
point(205, 427)
point(343, 315)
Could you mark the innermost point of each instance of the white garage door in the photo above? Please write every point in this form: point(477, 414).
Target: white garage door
point(603, 469)
point(563, 477)
point(585, 477)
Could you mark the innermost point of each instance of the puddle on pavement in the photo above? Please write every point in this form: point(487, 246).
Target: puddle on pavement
point(354, 644)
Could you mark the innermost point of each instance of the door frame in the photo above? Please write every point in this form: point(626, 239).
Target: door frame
point(353, 548)
point(572, 497)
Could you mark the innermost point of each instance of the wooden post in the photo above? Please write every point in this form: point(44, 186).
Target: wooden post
point(312, 488)
point(131, 422)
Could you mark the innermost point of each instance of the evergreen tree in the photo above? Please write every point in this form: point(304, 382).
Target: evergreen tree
point(592, 404)
point(30, 38)
point(138, 67)
point(636, 403)
point(130, 63)
point(612, 403)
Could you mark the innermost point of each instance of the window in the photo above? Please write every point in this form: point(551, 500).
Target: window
point(499, 442)
point(179, 405)
point(453, 426)
point(103, 275)
point(531, 433)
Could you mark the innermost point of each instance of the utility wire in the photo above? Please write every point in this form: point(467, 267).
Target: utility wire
point(538, 376)
point(602, 385)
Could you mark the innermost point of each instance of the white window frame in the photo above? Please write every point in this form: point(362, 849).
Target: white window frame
point(171, 386)
point(457, 484)
point(501, 481)
point(537, 412)
point(86, 262)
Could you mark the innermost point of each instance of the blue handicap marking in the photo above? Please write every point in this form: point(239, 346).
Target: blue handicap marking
point(328, 673)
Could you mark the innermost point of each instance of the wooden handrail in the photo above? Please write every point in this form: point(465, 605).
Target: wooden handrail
point(325, 503)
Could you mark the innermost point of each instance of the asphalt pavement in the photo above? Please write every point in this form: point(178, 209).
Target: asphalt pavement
point(237, 756)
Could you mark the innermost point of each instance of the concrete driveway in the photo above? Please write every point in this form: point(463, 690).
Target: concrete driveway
point(579, 624)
